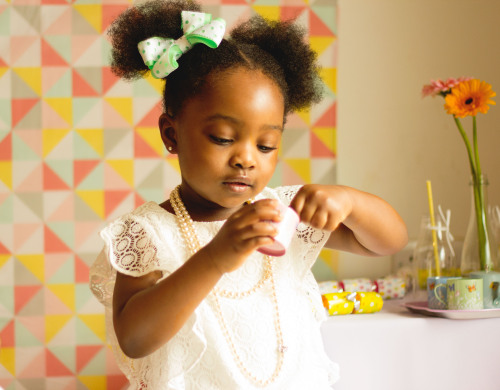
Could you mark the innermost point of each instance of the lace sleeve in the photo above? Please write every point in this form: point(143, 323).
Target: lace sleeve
point(130, 246)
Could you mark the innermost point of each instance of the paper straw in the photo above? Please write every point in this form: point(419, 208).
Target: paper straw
point(433, 225)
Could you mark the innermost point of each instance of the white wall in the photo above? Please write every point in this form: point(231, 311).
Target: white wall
point(390, 140)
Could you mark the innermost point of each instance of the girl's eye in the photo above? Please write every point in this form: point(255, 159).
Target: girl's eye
point(220, 141)
point(266, 149)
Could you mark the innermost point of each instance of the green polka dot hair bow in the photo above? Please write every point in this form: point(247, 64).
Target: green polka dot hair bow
point(161, 54)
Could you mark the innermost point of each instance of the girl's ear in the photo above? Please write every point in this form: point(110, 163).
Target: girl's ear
point(168, 133)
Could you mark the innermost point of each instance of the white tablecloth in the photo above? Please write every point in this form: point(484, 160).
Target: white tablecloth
point(398, 350)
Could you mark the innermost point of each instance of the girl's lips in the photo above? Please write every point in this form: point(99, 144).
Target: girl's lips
point(237, 186)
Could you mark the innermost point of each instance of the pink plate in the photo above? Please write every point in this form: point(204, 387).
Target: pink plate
point(422, 308)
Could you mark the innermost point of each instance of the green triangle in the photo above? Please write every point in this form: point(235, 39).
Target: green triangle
point(65, 274)
point(82, 150)
point(150, 194)
point(7, 300)
point(6, 210)
point(106, 52)
point(81, 107)
point(62, 88)
point(277, 178)
point(63, 168)
point(24, 338)
point(84, 335)
point(6, 113)
point(61, 45)
point(21, 151)
point(97, 366)
point(66, 354)
point(82, 295)
point(34, 201)
point(94, 180)
point(142, 88)
point(155, 177)
point(5, 22)
point(327, 14)
point(64, 231)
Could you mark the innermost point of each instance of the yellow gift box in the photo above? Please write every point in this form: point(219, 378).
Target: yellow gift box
point(369, 302)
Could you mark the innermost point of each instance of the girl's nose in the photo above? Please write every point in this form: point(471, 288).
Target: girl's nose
point(243, 158)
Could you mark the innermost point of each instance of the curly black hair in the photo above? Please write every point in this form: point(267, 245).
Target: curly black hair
point(277, 48)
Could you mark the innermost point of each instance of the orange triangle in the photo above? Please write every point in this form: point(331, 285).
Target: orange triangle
point(52, 243)
point(318, 148)
point(82, 168)
point(50, 57)
point(84, 354)
point(291, 12)
point(81, 271)
point(3, 63)
point(51, 181)
point(81, 87)
point(54, 366)
point(108, 79)
point(110, 12)
point(329, 118)
point(4, 250)
point(112, 200)
point(6, 148)
point(317, 27)
point(7, 335)
point(21, 107)
point(151, 118)
point(142, 149)
point(139, 200)
point(24, 294)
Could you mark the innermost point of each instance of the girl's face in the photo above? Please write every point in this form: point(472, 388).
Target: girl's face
point(227, 141)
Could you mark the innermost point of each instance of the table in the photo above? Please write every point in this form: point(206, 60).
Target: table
point(400, 350)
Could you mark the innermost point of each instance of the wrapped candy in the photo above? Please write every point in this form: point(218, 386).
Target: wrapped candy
point(369, 302)
point(330, 286)
point(361, 284)
point(390, 287)
point(339, 303)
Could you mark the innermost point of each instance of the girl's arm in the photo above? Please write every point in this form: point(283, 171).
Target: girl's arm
point(360, 222)
point(148, 313)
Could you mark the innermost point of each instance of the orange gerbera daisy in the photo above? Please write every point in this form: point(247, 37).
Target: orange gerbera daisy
point(468, 98)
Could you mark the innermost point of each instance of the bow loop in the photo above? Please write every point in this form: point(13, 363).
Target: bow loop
point(161, 54)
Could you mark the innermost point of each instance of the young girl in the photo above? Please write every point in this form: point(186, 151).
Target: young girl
point(190, 302)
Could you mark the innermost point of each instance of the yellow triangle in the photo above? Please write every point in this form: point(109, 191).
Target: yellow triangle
point(8, 359)
point(327, 137)
point(305, 115)
point(301, 166)
point(3, 259)
point(125, 168)
point(35, 264)
point(51, 138)
point(157, 84)
point(95, 322)
point(63, 107)
point(54, 323)
point(94, 199)
point(94, 137)
point(152, 137)
point(65, 292)
point(92, 14)
point(6, 173)
point(3, 70)
point(32, 77)
point(93, 381)
point(331, 258)
point(320, 44)
point(122, 106)
point(271, 12)
point(174, 162)
point(329, 77)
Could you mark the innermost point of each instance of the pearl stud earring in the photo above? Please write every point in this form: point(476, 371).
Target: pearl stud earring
point(169, 148)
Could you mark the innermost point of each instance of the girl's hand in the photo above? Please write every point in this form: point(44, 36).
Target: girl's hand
point(322, 207)
point(243, 232)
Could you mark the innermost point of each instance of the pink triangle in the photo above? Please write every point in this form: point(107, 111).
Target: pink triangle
point(54, 305)
point(80, 44)
point(54, 366)
point(62, 25)
point(83, 230)
point(35, 324)
point(112, 200)
point(142, 149)
point(318, 148)
point(81, 87)
point(35, 368)
point(291, 12)
point(50, 57)
point(317, 27)
point(19, 45)
point(32, 138)
point(53, 262)
point(7, 335)
point(84, 354)
point(6, 148)
point(23, 294)
point(113, 180)
point(290, 176)
point(111, 118)
point(22, 232)
point(52, 181)
point(81, 169)
point(139, 200)
point(21, 107)
point(81, 271)
point(110, 12)
point(108, 79)
point(64, 210)
point(33, 182)
point(151, 118)
point(51, 119)
point(54, 244)
point(329, 117)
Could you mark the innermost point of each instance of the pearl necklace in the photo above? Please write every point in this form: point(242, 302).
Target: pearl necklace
point(189, 234)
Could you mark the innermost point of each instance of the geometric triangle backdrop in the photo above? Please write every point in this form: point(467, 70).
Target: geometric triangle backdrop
point(79, 147)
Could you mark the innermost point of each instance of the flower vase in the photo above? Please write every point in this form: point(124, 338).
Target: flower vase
point(479, 251)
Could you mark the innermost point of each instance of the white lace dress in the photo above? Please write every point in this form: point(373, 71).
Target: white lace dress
point(199, 356)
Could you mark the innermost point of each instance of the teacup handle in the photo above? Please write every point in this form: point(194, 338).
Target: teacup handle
point(437, 295)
